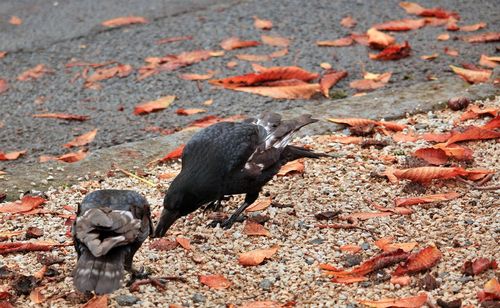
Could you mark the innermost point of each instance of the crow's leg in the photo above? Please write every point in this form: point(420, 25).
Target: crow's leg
point(140, 273)
point(249, 199)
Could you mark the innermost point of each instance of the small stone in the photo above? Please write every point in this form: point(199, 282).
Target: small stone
point(24, 284)
point(421, 126)
point(465, 279)
point(266, 284)
point(34, 232)
point(310, 261)
point(428, 283)
point(458, 103)
point(327, 215)
point(52, 272)
point(365, 284)
point(365, 246)
point(469, 221)
point(126, 300)
point(453, 304)
point(317, 241)
point(352, 260)
point(198, 298)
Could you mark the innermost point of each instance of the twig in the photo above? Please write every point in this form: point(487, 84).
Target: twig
point(135, 176)
point(494, 187)
point(477, 186)
point(486, 179)
point(156, 282)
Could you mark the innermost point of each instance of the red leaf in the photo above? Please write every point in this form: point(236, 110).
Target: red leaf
point(4, 86)
point(9, 247)
point(432, 155)
point(483, 37)
point(184, 242)
point(473, 133)
point(235, 43)
point(34, 73)
point(62, 116)
point(416, 9)
point(420, 261)
point(474, 111)
point(348, 22)
point(100, 301)
point(174, 39)
point(295, 166)
point(255, 229)
point(478, 266)
point(11, 155)
point(401, 25)
point(349, 280)
point(378, 262)
point(189, 111)
point(409, 137)
point(350, 248)
point(215, 281)
point(492, 124)
point(433, 137)
point(123, 21)
point(393, 52)
point(491, 291)
point(378, 39)
point(474, 27)
point(341, 42)
point(174, 154)
point(455, 151)
point(163, 244)
point(82, 140)
point(72, 157)
point(262, 24)
point(27, 203)
point(425, 199)
point(472, 76)
point(256, 257)
point(427, 174)
point(154, 106)
point(189, 76)
point(275, 40)
point(259, 205)
point(406, 302)
point(329, 80)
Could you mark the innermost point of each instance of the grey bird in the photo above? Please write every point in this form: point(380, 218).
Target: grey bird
point(230, 158)
point(110, 227)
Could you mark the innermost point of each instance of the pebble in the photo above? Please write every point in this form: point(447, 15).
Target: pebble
point(310, 261)
point(266, 284)
point(198, 298)
point(352, 260)
point(365, 246)
point(317, 241)
point(126, 300)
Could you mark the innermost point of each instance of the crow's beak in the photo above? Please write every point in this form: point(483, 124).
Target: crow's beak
point(166, 220)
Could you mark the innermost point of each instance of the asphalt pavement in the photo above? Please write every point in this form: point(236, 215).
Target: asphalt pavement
point(55, 34)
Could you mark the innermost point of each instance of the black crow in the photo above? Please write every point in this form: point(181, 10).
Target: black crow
point(109, 228)
point(230, 158)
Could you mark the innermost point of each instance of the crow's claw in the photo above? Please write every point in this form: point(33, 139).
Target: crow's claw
point(138, 275)
point(214, 223)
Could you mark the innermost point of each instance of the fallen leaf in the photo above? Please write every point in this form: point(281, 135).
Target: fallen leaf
point(328, 267)
point(426, 199)
point(392, 52)
point(401, 280)
point(174, 154)
point(474, 111)
point(492, 124)
point(474, 27)
point(82, 140)
point(253, 228)
point(451, 24)
point(123, 21)
point(349, 280)
point(483, 37)
point(188, 76)
point(262, 24)
point(386, 244)
point(432, 155)
point(342, 139)
point(62, 116)
point(416, 9)
point(36, 296)
point(305, 91)
point(189, 111)
point(348, 22)
point(184, 242)
point(259, 205)
point(378, 39)
point(368, 215)
point(100, 301)
point(408, 137)
point(154, 106)
point(353, 121)
point(9, 247)
point(9, 234)
point(235, 43)
point(434, 137)
point(406, 302)
point(34, 73)
point(72, 157)
point(174, 39)
point(231, 64)
point(275, 40)
point(341, 42)
point(450, 52)
point(11, 155)
point(4, 85)
point(485, 60)
point(256, 257)
point(295, 166)
point(401, 25)
point(361, 39)
point(478, 266)
point(16, 21)
point(392, 125)
point(261, 304)
point(215, 281)
point(371, 81)
point(491, 291)
point(27, 203)
point(350, 248)
point(420, 261)
point(209, 120)
point(443, 37)
point(473, 133)
point(119, 70)
point(472, 76)
point(163, 244)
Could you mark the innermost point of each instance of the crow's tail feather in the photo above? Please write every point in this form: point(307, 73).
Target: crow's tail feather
point(291, 152)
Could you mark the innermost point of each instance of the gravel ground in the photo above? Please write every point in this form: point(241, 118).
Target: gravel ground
point(463, 229)
point(110, 109)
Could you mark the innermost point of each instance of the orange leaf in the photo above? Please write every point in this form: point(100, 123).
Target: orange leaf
point(386, 245)
point(472, 76)
point(34, 73)
point(349, 280)
point(416, 9)
point(443, 37)
point(341, 42)
point(491, 291)
point(451, 52)
point(483, 37)
point(154, 106)
point(235, 43)
point(430, 57)
point(393, 52)
point(401, 137)
point(256, 257)
point(36, 296)
point(9, 234)
point(305, 91)
point(474, 111)
point(474, 27)
point(401, 280)
point(215, 281)
point(11, 155)
point(348, 22)
point(350, 248)
point(401, 25)
point(422, 260)
point(62, 116)
point(392, 125)
point(295, 166)
point(119, 70)
point(473, 133)
point(4, 85)
point(189, 111)
point(82, 140)
point(184, 242)
point(433, 137)
point(188, 76)
point(329, 80)
point(16, 21)
point(174, 39)
point(100, 301)
point(426, 174)
point(455, 151)
point(353, 121)
point(341, 139)
point(361, 39)
point(368, 215)
point(490, 62)
point(73, 156)
point(9, 247)
point(262, 24)
point(275, 40)
point(432, 155)
point(407, 302)
point(328, 267)
point(378, 39)
point(425, 199)
point(492, 124)
point(27, 203)
point(412, 8)
point(174, 154)
point(123, 21)
point(371, 81)
point(254, 228)
point(259, 205)
point(209, 120)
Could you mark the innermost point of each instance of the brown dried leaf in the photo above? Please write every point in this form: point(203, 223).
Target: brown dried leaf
point(119, 70)
point(163, 244)
point(189, 111)
point(275, 40)
point(350, 248)
point(443, 37)
point(184, 242)
point(82, 140)
point(349, 279)
point(401, 280)
point(215, 281)
point(420, 261)
point(235, 43)
point(9, 247)
point(174, 154)
point(341, 42)
point(348, 22)
point(11, 155)
point(378, 39)
point(401, 25)
point(123, 21)
point(304, 91)
point(483, 37)
point(432, 155)
point(473, 133)
point(386, 244)
point(62, 116)
point(16, 21)
point(262, 24)
point(295, 166)
point(190, 76)
point(474, 27)
point(36, 296)
point(392, 52)
point(97, 302)
point(253, 228)
point(426, 199)
point(472, 76)
point(34, 73)
point(154, 106)
point(259, 205)
point(174, 39)
point(27, 203)
point(256, 257)
point(406, 302)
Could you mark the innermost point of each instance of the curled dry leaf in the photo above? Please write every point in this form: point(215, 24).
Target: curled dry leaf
point(174, 154)
point(350, 248)
point(34, 73)
point(416, 9)
point(304, 91)
point(100, 301)
point(474, 27)
point(189, 111)
point(174, 39)
point(378, 39)
point(392, 52)
point(386, 244)
point(72, 157)
point(235, 43)
point(123, 21)
point(401, 280)
point(4, 85)
point(349, 279)
point(16, 21)
point(163, 244)
point(256, 257)
point(189, 76)
point(472, 76)
point(425, 199)
point(406, 302)
point(215, 281)
point(420, 261)
point(492, 124)
point(341, 42)
point(430, 57)
point(9, 247)
point(259, 205)
point(262, 24)
point(329, 80)
point(474, 111)
point(184, 242)
point(62, 116)
point(36, 296)
point(401, 25)
point(253, 228)
point(27, 203)
point(295, 166)
point(82, 140)
point(491, 291)
point(485, 60)
point(11, 155)
point(473, 133)
point(483, 37)
point(361, 39)
point(432, 156)
point(427, 174)
point(275, 40)
point(443, 37)
point(348, 22)
point(154, 106)
point(478, 266)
